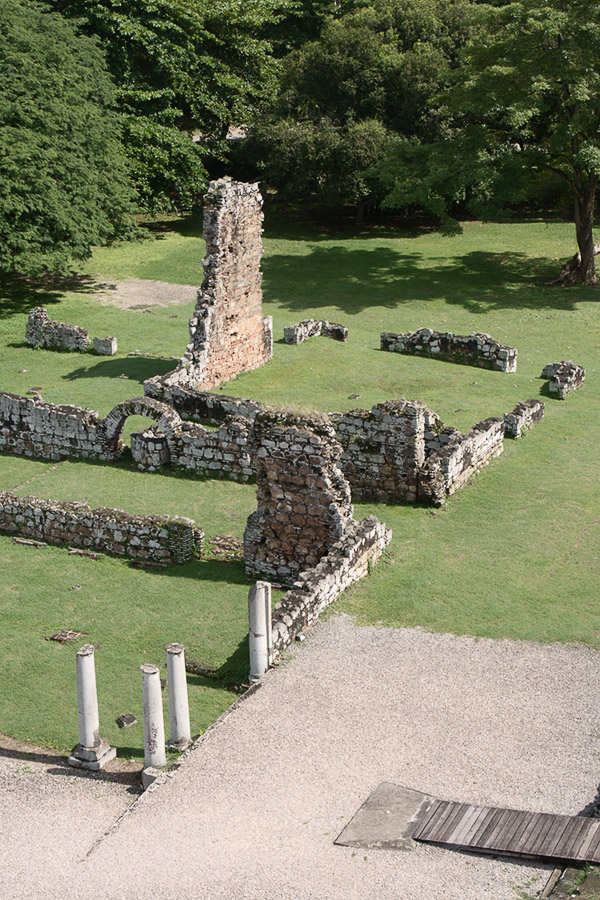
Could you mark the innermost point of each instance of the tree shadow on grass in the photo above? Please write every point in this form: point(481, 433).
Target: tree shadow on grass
point(18, 294)
point(136, 368)
point(352, 280)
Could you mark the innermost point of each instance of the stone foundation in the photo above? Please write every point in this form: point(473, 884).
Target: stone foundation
point(470, 350)
point(524, 416)
point(450, 467)
point(303, 500)
point(565, 377)
point(52, 335)
point(153, 538)
point(228, 333)
point(296, 334)
point(105, 346)
point(346, 562)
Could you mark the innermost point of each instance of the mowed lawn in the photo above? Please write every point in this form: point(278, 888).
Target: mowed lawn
point(514, 554)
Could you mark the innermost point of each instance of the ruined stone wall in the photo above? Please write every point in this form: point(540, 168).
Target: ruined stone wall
point(475, 349)
point(384, 448)
point(450, 467)
point(303, 500)
point(42, 331)
point(524, 416)
point(198, 405)
point(228, 333)
point(297, 334)
point(30, 427)
point(347, 561)
point(154, 538)
point(564, 378)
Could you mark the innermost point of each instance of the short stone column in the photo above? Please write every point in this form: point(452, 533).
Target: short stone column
point(179, 711)
point(154, 727)
point(259, 629)
point(92, 751)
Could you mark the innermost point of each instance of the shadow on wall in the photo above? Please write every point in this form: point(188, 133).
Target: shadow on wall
point(352, 280)
point(18, 294)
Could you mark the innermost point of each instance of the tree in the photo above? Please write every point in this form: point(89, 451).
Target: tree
point(63, 179)
point(526, 98)
point(182, 68)
point(367, 78)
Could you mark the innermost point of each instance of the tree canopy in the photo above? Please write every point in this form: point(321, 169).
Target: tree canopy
point(525, 98)
point(63, 178)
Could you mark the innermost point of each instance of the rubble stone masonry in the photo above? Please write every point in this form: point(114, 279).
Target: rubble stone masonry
point(228, 333)
point(159, 539)
point(42, 331)
point(303, 500)
point(471, 350)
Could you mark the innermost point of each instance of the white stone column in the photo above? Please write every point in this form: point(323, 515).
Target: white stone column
point(154, 726)
point(259, 628)
point(92, 751)
point(179, 711)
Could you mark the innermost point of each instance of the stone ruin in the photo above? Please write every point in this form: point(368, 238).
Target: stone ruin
point(524, 416)
point(304, 503)
point(41, 331)
point(565, 377)
point(474, 349)
point(297, 334)
point(228, 333)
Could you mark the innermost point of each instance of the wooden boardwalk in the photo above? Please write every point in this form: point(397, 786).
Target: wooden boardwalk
point(511, 832)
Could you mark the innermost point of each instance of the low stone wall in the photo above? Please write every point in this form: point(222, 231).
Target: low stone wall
point(42, 331)
point(218, 454)
point(153, 538)
point(565, 377)
point(475, 349)
point(384, 448)
point(296, 334)
point(30, 427)
point(449, 468)
point(198, 405)
point(525, 415)
point(348, 561)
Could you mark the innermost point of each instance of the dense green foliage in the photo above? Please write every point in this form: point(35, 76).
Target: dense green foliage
point(181, 67)
point(345, 98)
point(525, 98)
point(63, 179)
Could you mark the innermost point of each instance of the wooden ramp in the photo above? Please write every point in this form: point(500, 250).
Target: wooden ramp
point(511, 832)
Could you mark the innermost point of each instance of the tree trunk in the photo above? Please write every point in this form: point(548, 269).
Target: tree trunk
point(581, 268)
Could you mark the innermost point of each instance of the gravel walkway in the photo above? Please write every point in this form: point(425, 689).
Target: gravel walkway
point(139, 293)
point(254, 810)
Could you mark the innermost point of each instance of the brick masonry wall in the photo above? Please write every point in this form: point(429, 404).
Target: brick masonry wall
point(450, 467)
point(303, 500)
point(159, 539)
point(347, 561)
point(42, 331)
point(228, 332)
point(475, 349)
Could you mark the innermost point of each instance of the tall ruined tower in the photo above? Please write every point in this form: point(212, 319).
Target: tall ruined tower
point(228, 333)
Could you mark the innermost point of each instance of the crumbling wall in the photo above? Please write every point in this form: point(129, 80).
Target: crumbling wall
point(303, 500)
point(347, 561)
point(297, 334)
point(565, 377)
point(525, 415)
point(228, 333)
point(475, 349)
point(30, 427)
point(42, 331)
point(384, 448)
point(450, 467)
point(159, 539)
point(203, 406)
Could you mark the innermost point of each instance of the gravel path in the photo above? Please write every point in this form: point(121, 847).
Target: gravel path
point(139, 293)
point(254, 810)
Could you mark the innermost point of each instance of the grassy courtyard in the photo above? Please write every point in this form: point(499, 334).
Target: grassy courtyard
point(514, 554)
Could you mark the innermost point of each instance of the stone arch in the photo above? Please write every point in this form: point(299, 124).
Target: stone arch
point(111, 427)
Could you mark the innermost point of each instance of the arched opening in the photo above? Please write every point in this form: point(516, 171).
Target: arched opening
point(151, 447)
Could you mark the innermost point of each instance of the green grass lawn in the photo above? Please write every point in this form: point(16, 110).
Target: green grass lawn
point(514, 554)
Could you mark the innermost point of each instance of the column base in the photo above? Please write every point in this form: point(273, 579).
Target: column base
point(151, 774)
point(179, 745)
point(92, 758)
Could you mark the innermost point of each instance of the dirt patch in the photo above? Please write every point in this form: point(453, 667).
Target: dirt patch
point(122, 770)
point(140, 293)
